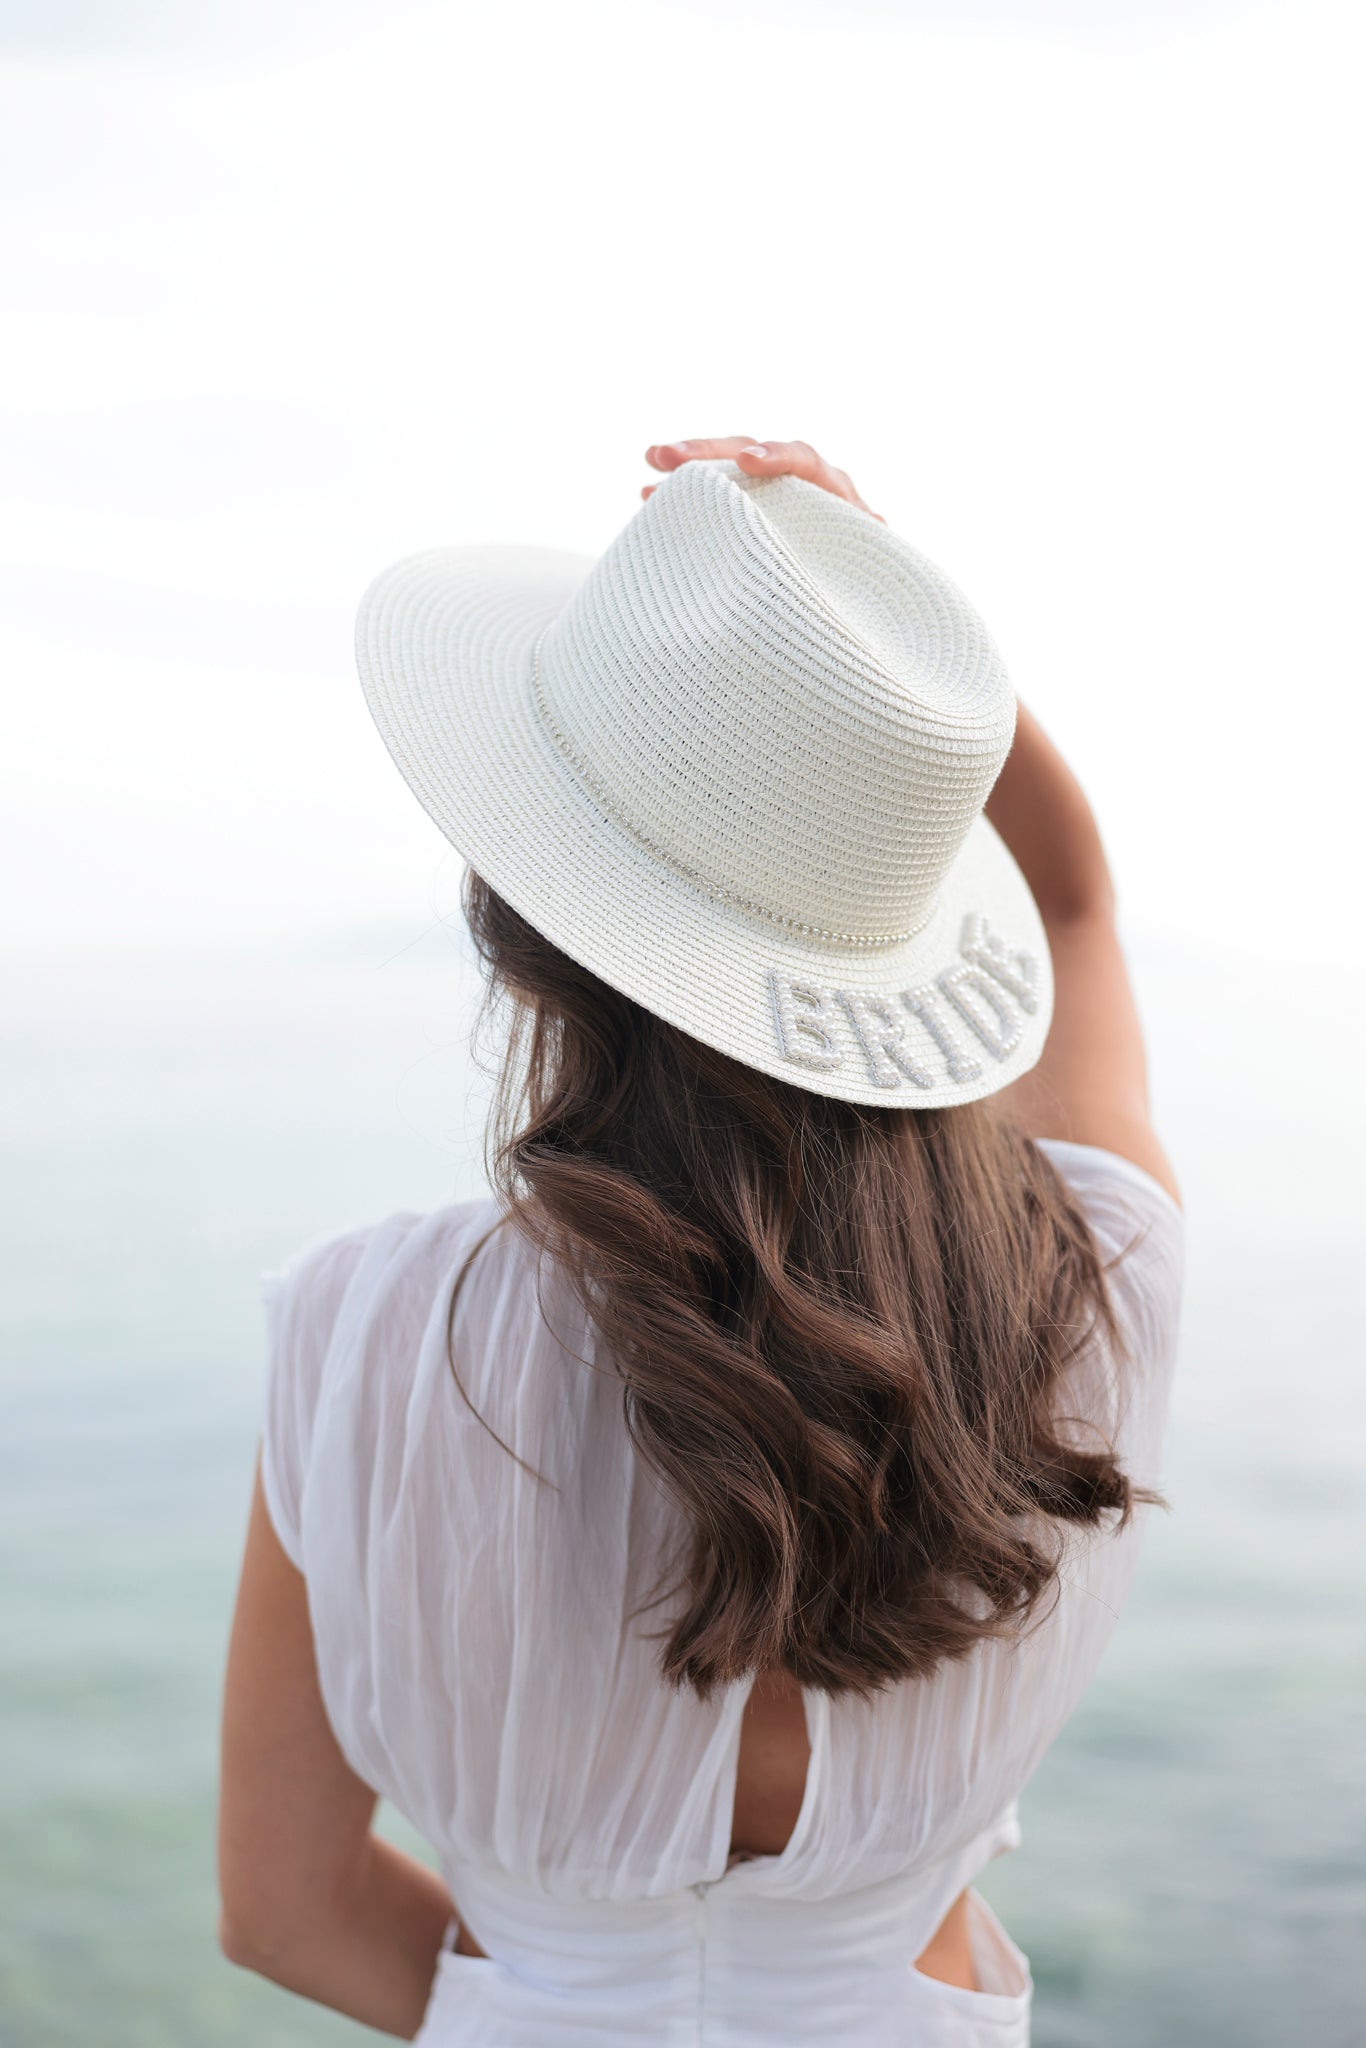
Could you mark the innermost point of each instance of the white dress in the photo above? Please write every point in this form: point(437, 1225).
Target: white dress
point(479, 1670)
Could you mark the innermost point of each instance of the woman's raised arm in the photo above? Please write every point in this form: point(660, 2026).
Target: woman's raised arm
point(1091, 1084)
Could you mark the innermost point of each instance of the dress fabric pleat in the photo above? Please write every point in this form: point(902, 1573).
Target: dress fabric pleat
point(481, 1668)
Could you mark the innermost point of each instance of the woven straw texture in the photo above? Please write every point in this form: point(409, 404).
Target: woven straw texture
point(736, 767)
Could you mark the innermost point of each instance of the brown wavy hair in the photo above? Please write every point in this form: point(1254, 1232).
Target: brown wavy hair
point(839, 1328)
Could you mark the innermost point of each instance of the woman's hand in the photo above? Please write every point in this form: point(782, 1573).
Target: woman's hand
point(759, 458)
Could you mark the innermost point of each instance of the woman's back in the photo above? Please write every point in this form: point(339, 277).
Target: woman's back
point(481, 1668)
point(780, 1345)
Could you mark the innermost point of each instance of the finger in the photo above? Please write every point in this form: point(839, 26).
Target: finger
point(767, 458)
point(672, 454)
point(845, 485)
point(794, 458)
point(799, 458)
point(762, 458)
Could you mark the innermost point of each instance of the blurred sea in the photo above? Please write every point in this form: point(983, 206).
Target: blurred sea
point(1194, 1860)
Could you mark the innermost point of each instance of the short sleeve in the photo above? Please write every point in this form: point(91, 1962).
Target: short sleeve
point(1140, 1236)
point(302, 1303)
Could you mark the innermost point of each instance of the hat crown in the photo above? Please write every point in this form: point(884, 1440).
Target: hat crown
point(778, 696)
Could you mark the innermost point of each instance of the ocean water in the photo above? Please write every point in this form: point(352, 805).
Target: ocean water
point(1194, 1859)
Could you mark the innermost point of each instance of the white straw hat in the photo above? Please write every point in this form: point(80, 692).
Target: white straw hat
point(736, 767)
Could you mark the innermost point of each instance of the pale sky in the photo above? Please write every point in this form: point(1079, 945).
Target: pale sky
point(1073, 292)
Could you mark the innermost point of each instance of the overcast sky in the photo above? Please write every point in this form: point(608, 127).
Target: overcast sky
point(1073, 292)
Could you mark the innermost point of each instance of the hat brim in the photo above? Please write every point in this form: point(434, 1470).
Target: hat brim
point(444, 644)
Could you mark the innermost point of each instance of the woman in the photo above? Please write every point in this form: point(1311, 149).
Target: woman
point(703, 1540)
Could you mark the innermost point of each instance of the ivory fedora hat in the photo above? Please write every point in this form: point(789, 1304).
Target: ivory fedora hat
point(736, 767)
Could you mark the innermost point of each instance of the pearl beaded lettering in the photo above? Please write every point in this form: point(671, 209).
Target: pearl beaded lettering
point(882, 1034)
point(986, 988)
